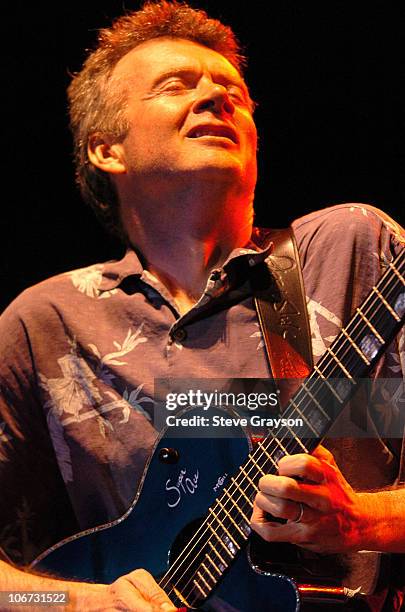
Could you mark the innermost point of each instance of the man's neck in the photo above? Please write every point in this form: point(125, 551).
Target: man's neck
point(183, 242)
point(185, 264)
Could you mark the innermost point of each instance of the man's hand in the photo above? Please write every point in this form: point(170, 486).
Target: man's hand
point(323, 512)
point(137, 592)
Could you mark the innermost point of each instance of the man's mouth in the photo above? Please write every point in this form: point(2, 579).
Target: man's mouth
point(215, 131)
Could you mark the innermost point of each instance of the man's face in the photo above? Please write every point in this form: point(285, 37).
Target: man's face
point(189, 112)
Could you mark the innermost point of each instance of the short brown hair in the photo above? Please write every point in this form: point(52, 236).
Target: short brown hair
point(96, 107)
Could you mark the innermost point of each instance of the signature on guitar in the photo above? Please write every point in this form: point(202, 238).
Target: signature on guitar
point(184, 486)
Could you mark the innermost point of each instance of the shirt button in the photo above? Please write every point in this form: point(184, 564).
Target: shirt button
point(252, 261)
point(180, 334)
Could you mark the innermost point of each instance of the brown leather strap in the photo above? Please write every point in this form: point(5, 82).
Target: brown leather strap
point(282, 310)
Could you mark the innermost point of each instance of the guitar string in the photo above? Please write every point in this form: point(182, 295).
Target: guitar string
point(375, 301)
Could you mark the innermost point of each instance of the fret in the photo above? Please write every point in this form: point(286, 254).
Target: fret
point(304, 448)
point(260, 444)
point(205, 568)
point(354, 345)
point(342, 367)
point(339, 399)
point(242, 491)
point(258, 466)
point(177, 593)
point(401, 278)
point(304, 417)
point(239, 509)
point(373, 329)
point(388, 307)
point(249, 479)
point(201, 577)
point(313, 398)
point(293, 435)
point(199, 587)
point(224, 563)
point(244, 536)
point(224, 546)
point(297, 439)
point(234, 542)
point(283, 448)
point(214, 565)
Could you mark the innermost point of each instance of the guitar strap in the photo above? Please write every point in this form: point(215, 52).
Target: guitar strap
point(283, 317)
point(281, 309)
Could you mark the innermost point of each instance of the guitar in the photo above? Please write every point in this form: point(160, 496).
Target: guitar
point(200, 561)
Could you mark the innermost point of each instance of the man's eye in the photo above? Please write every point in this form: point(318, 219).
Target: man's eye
point(174, 86)
point(237, 95)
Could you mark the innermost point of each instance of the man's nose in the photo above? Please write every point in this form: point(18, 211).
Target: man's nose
point(214, 97)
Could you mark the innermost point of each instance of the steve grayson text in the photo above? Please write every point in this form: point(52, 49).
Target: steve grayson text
point(222, 421)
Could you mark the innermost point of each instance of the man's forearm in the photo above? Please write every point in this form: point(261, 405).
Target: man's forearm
point(384, 520)
point(81, 596)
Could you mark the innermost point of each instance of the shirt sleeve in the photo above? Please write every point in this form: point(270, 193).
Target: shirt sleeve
point(344, 250)
point(33, 502)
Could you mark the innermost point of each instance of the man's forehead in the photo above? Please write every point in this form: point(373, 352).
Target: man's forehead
point(163, 53)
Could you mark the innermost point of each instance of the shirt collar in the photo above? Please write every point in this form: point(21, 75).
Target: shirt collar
point(114, 272)
point(256, 251)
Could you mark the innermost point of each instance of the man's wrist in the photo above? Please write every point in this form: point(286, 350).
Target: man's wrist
point(367, 522)
point(86, 596)
point(381, 524)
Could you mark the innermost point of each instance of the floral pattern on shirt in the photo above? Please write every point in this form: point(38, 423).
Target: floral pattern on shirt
point(88, 281)
point(71, 394)
point(131, 341)
point(76, 389)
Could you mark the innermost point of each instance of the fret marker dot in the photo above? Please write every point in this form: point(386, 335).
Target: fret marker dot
point(370, 345)
point(399, 305)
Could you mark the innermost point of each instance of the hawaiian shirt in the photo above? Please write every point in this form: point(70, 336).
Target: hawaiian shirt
point(80, 353)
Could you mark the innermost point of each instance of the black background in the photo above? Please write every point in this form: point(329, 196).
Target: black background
point(327, 79)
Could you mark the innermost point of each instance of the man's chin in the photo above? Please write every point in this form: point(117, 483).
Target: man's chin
point(220, 165)
point(225, 170)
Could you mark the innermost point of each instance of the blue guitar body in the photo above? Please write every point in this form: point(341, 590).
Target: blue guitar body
point(184, 476)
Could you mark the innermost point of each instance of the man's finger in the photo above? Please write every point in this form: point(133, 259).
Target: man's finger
point(278, 507)
point(304, 466)
point(150, 590)
point(313, 495)
point(324, 454)
point(274, 532)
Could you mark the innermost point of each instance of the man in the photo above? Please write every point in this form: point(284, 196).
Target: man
point(166, 152)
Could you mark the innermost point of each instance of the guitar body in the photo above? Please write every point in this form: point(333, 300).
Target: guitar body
point(183, 477)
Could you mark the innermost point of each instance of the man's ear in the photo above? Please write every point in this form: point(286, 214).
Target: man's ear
point(106, 155)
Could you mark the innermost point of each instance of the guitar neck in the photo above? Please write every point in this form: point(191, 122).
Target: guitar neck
point(316, 404)
point(349, 359)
